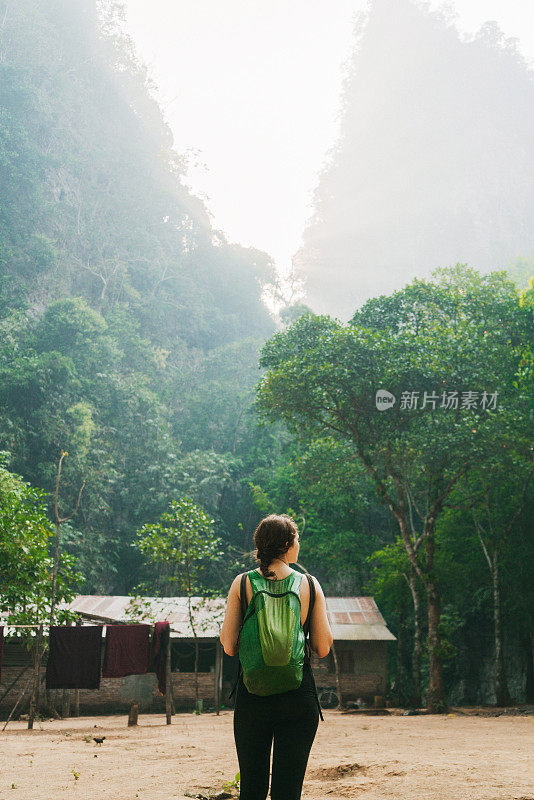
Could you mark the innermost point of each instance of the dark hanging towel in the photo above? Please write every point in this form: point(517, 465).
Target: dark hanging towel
point(1, 648)
point(158, 652)
point(126, 651)
point(74, 657)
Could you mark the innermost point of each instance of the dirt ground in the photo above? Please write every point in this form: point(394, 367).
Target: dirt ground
point(459, 756)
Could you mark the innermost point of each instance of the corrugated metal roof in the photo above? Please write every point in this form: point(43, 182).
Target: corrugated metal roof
point(357, 618)
point(207, 613)
point(351, 618)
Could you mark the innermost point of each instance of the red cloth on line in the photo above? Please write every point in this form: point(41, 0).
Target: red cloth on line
point(74, 657)
point(126, 651)
point(1, 648)
point(158, 652)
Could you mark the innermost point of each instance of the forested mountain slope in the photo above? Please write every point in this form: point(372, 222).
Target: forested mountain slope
point(130, 327)
point(434, 164)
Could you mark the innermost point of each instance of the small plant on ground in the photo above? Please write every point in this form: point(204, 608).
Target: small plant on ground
point(232, 784)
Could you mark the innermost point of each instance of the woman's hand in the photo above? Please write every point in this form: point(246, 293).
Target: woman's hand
point(232, 619)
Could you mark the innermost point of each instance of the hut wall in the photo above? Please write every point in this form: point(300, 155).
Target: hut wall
point(362, 669)
point(114, 695)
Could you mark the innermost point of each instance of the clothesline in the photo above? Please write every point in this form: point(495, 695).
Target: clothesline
point(11, 625)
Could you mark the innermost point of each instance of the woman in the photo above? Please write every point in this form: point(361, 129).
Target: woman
point(291, 717)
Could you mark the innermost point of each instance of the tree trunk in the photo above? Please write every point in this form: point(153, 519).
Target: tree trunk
point(416, 699)
point(526, 641)
point(49, 702)
point(399, 693)
point(34, 701)
point(435, 700)
point(501, 688)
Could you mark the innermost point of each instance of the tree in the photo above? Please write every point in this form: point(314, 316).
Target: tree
point(26, 567)
point(32, 582)
point(434, 342)
point(391, 582)
point(181, 546)
point(496, 495)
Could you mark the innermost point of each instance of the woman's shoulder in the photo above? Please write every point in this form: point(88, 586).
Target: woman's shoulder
point(306, 578)
point(236, 583)
point(238, 577)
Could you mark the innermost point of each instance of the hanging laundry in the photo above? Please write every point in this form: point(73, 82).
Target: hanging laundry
point(126, 650)
point(1, 648)
point(74, 657)
point(158, 652)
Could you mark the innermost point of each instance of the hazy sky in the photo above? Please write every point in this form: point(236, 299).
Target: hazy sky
point(254, 86)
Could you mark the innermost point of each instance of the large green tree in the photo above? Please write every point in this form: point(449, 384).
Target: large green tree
point(443, 350)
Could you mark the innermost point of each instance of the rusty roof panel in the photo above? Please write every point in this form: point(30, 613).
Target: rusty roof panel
point(374, 618)
point(340, 617)
point(362, 633)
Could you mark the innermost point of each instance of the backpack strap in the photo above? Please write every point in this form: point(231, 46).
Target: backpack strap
point(311, 604)
point(243, 595)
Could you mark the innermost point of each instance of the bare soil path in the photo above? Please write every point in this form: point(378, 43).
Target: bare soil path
point(458, 756)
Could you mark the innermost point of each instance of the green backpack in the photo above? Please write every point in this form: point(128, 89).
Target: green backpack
point(272, 641)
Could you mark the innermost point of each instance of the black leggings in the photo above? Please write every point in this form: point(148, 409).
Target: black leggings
point(291, 718)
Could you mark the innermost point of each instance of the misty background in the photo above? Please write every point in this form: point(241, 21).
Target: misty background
point(399, 131)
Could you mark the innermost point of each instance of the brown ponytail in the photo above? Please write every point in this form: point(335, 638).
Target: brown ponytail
point(272, 538)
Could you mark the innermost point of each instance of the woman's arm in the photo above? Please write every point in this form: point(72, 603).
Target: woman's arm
point(232, 619)
point(320, 632)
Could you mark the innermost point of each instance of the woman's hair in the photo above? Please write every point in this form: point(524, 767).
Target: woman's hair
point(273, 537)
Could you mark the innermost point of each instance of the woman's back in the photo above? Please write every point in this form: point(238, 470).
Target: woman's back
point(279, 584)
point(289, 718)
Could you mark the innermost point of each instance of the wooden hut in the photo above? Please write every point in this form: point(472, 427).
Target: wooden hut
point(360, 640)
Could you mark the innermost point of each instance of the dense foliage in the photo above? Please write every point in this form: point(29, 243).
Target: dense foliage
point(455, 356)
point(130, 327)
point(25, 562)
point(131, 334)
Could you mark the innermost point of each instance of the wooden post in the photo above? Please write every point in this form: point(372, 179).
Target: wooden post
point(218, 676)
point(77, 691)
point(338, 681)
point(65, 704)
point(168, 684)
point(34, 701)
point(133, 715)
point(65, 698)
